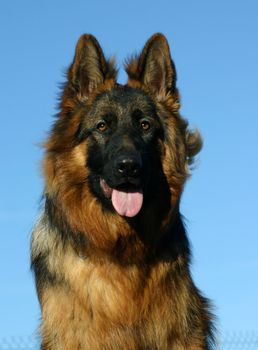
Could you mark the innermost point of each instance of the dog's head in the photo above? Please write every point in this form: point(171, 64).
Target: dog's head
point(123, 129)
point(126, 147)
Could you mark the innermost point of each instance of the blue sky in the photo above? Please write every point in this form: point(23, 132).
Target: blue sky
point(214, 45)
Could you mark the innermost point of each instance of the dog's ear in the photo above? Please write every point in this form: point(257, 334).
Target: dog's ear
point(89, 68)
point(154, 66)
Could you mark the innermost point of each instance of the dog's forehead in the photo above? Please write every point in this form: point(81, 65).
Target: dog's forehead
point(123, 99)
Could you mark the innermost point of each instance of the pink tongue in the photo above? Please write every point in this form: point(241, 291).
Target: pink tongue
point(127, 203)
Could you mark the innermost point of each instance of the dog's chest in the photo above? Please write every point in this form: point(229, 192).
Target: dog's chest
point(109, 306)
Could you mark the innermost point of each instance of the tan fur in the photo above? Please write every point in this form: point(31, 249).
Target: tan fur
point(103, 293)
point(92, 297)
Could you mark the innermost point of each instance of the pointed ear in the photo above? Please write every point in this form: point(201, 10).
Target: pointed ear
point(154, 67)
point(89, 68)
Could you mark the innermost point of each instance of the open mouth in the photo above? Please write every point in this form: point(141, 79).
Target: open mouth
point(127, 201)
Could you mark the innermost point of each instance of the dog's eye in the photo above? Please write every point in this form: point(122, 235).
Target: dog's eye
point(145, 124)
point(102, 126)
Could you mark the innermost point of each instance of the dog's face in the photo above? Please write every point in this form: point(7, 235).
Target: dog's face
point(119, 149)
point(123, 128)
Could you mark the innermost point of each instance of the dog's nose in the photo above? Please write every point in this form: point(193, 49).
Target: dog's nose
point(128, 166)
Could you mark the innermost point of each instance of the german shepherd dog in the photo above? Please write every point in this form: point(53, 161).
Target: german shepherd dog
point(110, 252)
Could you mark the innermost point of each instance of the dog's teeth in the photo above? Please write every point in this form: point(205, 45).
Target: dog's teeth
point(106, 189)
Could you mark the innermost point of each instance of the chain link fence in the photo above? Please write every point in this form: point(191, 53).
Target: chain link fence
point(19, 343)
point(239, 341)
point(229, 341)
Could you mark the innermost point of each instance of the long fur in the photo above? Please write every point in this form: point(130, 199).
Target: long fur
point(104, 281)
